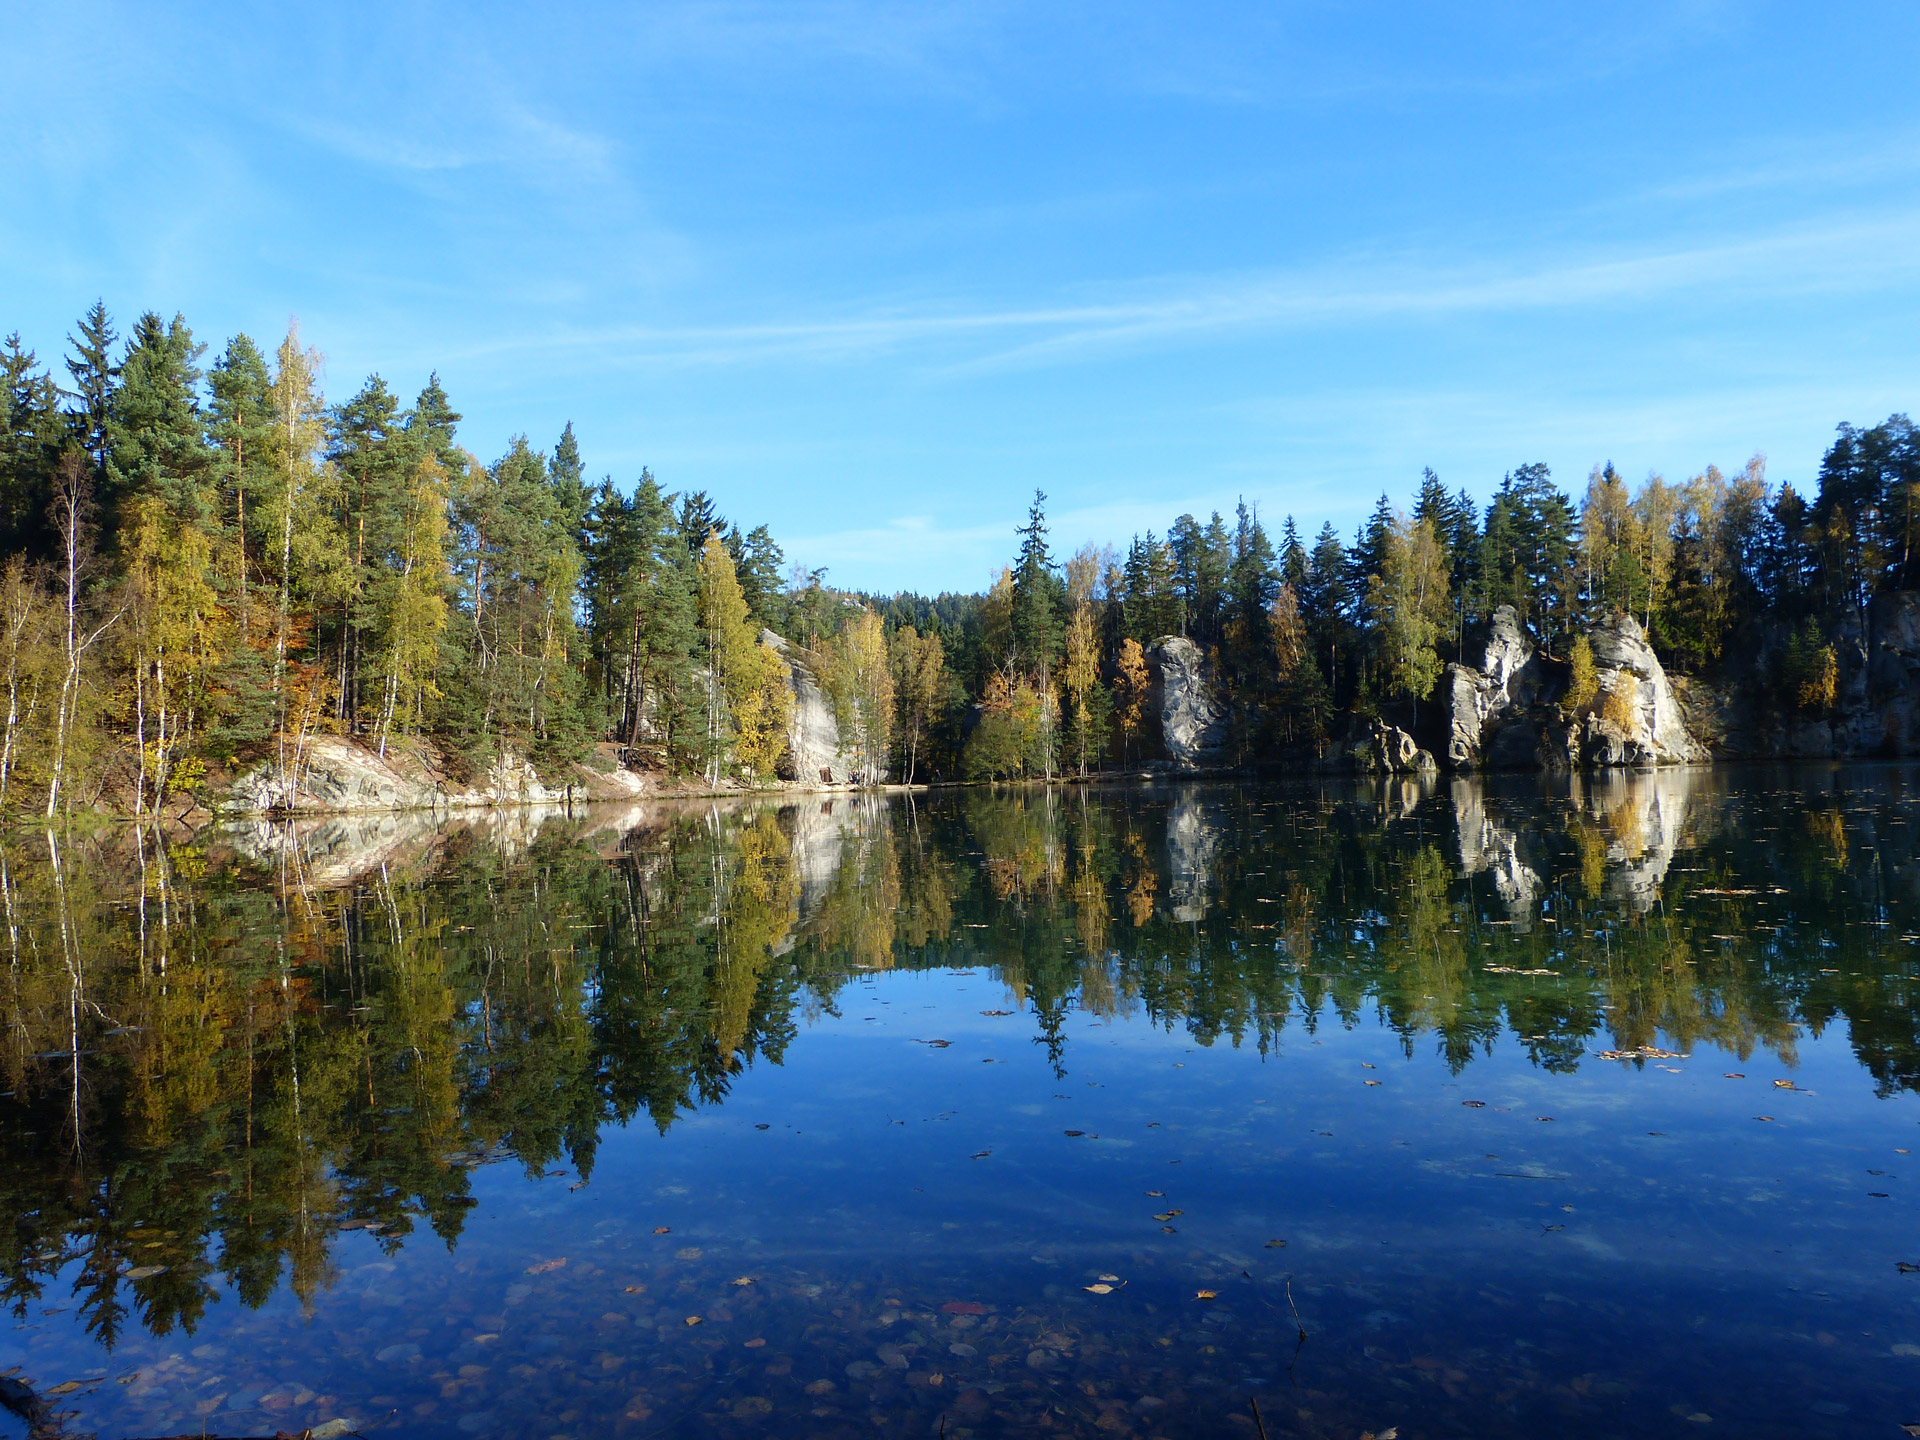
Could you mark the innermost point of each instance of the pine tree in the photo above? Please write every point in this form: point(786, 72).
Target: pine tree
point(1036, 604)
point(156, 433)
point(95, 377)
point(32, 433)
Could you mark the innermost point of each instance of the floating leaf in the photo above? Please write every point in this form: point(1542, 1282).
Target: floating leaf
point(694, 1319)
point(636, 1289)
point(1206, 1295)
point(545, 1266)
point(1371, 1082)
point(1101, 1289)
point(1735, 1075)
point(757, 1343)
point(662, 1229)
point(146, 1272)
point(744, 1280)
point(1276, 1244)
point(1076, 1133)
point(1474, 1104)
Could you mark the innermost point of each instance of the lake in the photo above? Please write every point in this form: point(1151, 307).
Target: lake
point(1478, 1107)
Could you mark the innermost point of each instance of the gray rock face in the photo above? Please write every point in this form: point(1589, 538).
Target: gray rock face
point(1627, 665)
point(1193, 721)
point(1502, 715)
point(815, 752)
point(331, 773)
point(1392, 750)
point(1477, 696)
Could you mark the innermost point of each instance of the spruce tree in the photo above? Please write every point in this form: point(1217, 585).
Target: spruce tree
point(1037, 606)
point(156, 432)
point(95, 375)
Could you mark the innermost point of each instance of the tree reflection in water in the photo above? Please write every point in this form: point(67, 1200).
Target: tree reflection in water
point(222, 1051)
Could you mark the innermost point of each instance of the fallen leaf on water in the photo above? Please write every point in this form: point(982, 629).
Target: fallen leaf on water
point(1735, 1075)
point(1371, 1082)
point(146, 1272)
point(1106, 1277)
point(1783, 1085)
point(981, 1154)
point(1910, 1429)
point(1156, 1192)
point(1474, 1104)
point(1076, 1132)
point(693, 1319)
point(1276, 1244)
point(763, 1127)
point(662, 1229)
point(744, 1280)
point(1906, 1267)
point(636, 1289)
point(1102, 1289)
point(1547, 1118)
point(1205, 1295)
point(1168, 1230)
point(66, 1389)
point(756, 1343)
point(545, 1265)
point(1763, 1117)
point(1368, 1065)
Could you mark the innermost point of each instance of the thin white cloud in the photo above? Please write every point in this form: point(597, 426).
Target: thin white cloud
point(1851, 254)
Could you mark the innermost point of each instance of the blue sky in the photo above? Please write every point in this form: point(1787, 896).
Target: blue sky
point(871, 273)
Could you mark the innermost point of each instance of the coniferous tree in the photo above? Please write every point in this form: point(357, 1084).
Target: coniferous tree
point(1037, 595)
point(95, 376)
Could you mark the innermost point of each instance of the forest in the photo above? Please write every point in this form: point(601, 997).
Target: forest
point(204, 562)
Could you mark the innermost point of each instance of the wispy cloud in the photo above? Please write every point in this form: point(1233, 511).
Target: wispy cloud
point(1849, 254)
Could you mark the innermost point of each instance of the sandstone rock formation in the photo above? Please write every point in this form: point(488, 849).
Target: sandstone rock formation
point(1504, 715)
point(815, 754)
point(1627, 666)
point(1392, 750)
point(333, 774)
point(1477, 696)
point(1194, 721)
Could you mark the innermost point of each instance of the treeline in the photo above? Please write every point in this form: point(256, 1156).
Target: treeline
point(1306, 641)
point(205, 563)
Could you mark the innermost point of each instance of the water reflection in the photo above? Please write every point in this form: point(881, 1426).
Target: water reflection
point(223, 1052)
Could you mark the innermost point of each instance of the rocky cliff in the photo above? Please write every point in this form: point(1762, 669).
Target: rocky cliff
point(1506, 713)
point(1195, 723)
point(815, 754)
point(332, 774)
point(1746, 713)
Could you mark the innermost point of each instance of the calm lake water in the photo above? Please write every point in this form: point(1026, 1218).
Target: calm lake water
point(1537, 1107)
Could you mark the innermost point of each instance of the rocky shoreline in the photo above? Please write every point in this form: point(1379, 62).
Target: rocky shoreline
point(1508, 712)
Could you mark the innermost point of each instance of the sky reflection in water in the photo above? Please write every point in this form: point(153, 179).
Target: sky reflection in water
point(825, 1118)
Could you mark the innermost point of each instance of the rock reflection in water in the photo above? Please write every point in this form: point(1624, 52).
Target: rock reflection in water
point(233, 1061)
